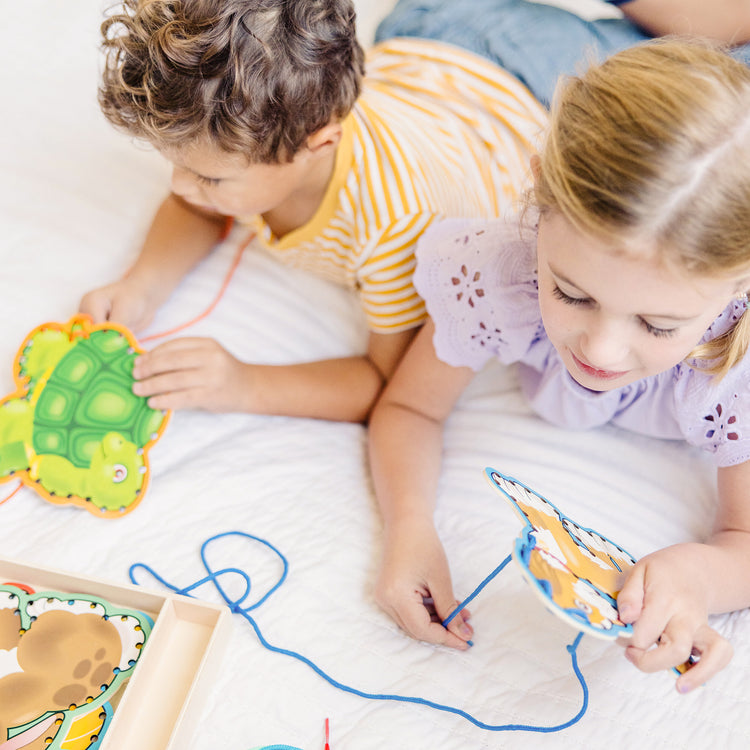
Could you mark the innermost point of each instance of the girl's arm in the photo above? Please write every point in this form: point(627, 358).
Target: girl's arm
point(725, 20)
point(731, 538)
point(406, 430)
point(670, 593)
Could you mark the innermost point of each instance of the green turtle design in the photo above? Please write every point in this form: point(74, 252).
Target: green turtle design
point(74, 430)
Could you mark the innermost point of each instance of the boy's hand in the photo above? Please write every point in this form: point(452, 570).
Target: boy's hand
point(414, 586)
point(191, 373)
point(121, 302)
point(666, 597)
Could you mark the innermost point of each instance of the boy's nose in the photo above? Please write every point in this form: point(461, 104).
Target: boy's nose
point(181, 182)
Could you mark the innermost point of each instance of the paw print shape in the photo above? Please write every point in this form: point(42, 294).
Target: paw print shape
point(61, 656)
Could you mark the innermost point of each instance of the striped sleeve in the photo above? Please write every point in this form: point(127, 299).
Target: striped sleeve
point(388, 297)
point(437, 132)
point(440, 132)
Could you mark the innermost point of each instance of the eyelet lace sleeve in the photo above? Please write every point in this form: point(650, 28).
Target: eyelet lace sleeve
point(478, 280)
point(715, 414)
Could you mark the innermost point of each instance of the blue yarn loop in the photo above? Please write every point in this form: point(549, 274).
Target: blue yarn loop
point(235, 605)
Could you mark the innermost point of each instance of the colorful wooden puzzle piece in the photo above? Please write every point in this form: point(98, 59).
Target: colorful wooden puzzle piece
point(63, 659)
point(73, 430)
point(576, 571)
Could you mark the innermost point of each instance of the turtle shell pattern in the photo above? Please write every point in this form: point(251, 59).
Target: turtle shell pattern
point(88, 395)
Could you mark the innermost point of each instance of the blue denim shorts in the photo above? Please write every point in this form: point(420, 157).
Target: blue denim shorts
point(535, 42)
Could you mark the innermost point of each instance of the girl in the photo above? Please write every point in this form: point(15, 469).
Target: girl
point(621, 296)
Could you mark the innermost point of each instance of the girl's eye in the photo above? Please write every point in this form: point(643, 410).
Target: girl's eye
point(567, 299)
point(210, 181)
point(652, 330)
point(658, 332)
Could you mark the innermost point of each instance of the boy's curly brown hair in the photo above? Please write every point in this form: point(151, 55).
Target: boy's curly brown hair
point(250, 76)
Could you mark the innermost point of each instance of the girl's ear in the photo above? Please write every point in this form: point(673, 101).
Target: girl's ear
point(536, 166)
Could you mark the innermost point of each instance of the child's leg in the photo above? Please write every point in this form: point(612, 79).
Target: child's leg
point(742, 53)
point(535, 42)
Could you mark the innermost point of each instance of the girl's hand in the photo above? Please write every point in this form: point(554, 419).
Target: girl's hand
point(666, 597)
point(191, 373)
point(122, 302)
point(414, 585)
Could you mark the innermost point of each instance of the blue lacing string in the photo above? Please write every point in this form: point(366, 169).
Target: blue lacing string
point(235, 606)
point(476, 591)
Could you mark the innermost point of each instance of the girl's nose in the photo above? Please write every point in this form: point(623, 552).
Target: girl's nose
point(604, 345)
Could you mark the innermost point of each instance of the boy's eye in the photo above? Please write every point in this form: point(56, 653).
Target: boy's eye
point(567, 299)
point(207, 180)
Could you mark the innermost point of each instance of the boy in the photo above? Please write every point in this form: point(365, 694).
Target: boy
point(263, 111)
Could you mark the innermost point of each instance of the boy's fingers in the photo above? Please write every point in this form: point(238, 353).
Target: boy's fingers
point(175, 390)
point(170, 382)
point(178, 354)
point(190, 398)
point(97, 306)
point(184, 342)
point(120, 313)
point(161, 361)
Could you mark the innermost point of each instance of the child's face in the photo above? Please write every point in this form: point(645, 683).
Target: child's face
point(617, 317)
point(227, 184)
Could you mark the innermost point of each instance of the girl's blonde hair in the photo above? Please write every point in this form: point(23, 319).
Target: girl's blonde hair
point(654, 143)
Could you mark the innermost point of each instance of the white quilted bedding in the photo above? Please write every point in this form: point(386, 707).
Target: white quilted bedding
point(75, 199)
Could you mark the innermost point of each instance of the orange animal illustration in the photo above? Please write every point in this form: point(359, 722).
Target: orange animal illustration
point(576, 571)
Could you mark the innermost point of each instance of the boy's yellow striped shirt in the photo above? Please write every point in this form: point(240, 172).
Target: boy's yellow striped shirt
point(436, 132)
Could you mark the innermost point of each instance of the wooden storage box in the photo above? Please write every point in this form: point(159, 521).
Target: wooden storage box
point(162, 700)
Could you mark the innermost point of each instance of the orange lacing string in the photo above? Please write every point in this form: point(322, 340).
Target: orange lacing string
point(227, 279)
point(230, 273)
point(5, 499)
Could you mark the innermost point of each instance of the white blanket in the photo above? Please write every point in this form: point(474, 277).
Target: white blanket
point(75, 200)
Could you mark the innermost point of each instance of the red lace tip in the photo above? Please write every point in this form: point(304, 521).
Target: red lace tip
point(328, 736)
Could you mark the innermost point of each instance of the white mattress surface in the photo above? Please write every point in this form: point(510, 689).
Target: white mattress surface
point(75, 200)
